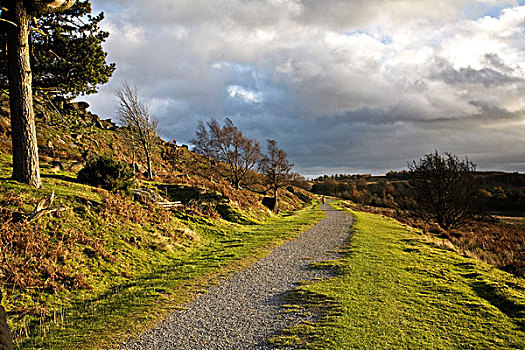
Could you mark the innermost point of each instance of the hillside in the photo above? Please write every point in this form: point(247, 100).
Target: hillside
point(68, 135)
point(101, 267)
point(101, 260)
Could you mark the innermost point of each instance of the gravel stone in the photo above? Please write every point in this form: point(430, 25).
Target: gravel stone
point(243, 311)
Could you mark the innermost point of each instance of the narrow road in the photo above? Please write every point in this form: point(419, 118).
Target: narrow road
point(243, 312)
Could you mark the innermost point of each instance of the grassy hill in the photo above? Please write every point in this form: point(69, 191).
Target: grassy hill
point(86, 275)
point(105, 266)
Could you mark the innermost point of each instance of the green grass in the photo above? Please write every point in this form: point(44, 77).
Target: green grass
point(396, 289)
point(138, 269)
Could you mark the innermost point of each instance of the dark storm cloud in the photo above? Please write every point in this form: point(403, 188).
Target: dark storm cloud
point(488, 77)
point(340, 84)
point(493, 60)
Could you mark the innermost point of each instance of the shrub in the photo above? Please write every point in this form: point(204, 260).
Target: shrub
point(445, 189)
point(107, 173)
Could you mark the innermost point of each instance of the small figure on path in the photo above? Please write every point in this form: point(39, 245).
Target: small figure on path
point(323, 199)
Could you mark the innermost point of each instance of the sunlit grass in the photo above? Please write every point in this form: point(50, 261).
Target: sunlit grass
point(395, 290)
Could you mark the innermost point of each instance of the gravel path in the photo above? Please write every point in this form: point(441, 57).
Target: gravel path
point(243, 312)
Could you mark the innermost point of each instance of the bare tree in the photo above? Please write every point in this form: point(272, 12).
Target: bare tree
point(16, 15)
point(142, 126)
point(276, 167)
point(445, 189)
point(227, 144)
point(132, 143)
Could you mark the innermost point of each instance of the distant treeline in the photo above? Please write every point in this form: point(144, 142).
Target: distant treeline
point(445, 195)
point(499, 190)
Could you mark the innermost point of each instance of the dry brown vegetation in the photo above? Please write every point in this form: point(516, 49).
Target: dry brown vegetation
point(494, 242)
point(443, 195)
point(56, 253)
point(44, 255)
point(34, 259)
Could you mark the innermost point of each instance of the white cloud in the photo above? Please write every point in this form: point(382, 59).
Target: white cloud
point(404, 64)
point(244, 95)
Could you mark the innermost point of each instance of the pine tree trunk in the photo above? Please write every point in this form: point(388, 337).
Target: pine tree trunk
point(25, 149)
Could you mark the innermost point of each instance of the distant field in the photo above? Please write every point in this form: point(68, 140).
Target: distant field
point(397, 289)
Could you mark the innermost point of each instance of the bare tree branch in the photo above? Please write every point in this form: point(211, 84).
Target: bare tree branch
point(276, 167)
point(227, 144)
point(142, 126)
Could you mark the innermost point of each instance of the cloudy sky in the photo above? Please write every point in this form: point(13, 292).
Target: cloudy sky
point(344, 86)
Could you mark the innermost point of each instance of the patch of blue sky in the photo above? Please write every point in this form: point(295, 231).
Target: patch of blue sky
point(249, 74)
point(107, 7)
point(478, 10)
point(266, 93)
point(358, 31)
point(249, 86)
point(376, 34)
point(386, 39)
point(240, 74)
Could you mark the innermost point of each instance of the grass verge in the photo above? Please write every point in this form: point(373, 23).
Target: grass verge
point(396, 289)
point(103, 318)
